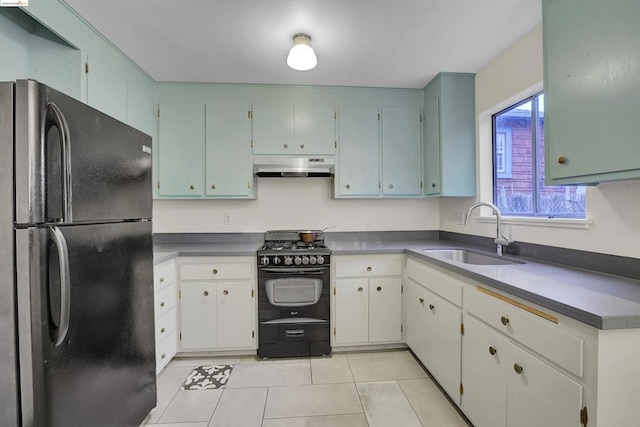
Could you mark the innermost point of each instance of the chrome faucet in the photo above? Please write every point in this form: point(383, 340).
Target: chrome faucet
point(500, 240)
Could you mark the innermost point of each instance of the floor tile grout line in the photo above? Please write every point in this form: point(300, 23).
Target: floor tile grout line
point(409, 400)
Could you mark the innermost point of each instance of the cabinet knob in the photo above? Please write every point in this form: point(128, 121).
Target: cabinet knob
point(214, 271)
point(162, 356)
point(369, 268)
point(286, 145)
point(433, 185)
point(301, 145)
point(161, 279)
point(360, 289)
point(379, 288)
point(206, 293)
point(162, 331)
point(162, 304)
point(492, 351)
point(192, 187)
point(390, 185)
point(431, 306)
point(348, 186)
point(225, 292)
point(562, 160)
point(518, 368)
point(421, 300)
point(504, 320)
point(213, 186)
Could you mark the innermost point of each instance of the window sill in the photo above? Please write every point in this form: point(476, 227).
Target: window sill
point(573, 223)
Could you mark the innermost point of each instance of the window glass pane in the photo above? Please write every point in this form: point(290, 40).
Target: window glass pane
point(514, 192)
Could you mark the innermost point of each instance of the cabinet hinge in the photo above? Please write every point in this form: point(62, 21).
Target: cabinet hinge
point(251, 293)
point(420, 118)
point(86, 68)
point(158, 113)
point(252, 143)
point(180, 336)
point(158, 185)
point(402, 289)
point(253, 334)
point(378, 116)
point(461, 328)
point(401, 328)
point(335, 116)
point(379, 185)
point(248, 184)
point(335, 144)
point(334, 291)
point(461, 389)
point(421, 185)
point(334, 332)
point(584, 417)
point(179, 294)
point(249, 114)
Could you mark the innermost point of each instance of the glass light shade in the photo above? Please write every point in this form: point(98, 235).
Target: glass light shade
point(301, 56)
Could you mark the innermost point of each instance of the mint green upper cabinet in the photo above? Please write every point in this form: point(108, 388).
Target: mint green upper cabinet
point(140, 101)
point(273, 129)
point(401, 151)
point(228, 163)
point(449, 136)
point(181, 148)
point(107, 81)
point(358, 168)
point(592, 90)
point(314, 128)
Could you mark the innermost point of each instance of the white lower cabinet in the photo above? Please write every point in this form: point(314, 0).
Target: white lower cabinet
point(165, 301)
point(217, 304)
point(367, 300)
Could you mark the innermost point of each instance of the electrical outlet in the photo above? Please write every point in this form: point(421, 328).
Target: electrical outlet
point(227, 219)
point(460, 217)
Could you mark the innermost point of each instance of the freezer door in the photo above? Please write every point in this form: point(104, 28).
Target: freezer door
point(74, 163)
point(86, 324)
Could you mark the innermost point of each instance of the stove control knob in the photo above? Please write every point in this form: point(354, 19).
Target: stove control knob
point(320, 259)
point(264, 260)
point(297, 260)
point(312, 260)
point(305, 260)
point(276, 260)
point(288, 260)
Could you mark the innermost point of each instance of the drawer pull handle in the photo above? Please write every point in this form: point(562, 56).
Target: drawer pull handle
point(504, 320)
point(433, 185)
point(431, 307)
point(348, 186)
point(161, 279)
point(360, 289)
point(213, 186)
point(286, 145)
point(421, 300)
point(192, 187)
point(225, 292)
point(206, 293)
point(162, 304)
point(214, 271)
point(492, 351)
point(162, 331)
point(163, 356)
point(369, 269)
point(518, 368)
point(379, 288)
point(301, 145)
point(562, 160)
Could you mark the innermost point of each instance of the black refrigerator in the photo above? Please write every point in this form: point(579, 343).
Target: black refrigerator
point(76, 264)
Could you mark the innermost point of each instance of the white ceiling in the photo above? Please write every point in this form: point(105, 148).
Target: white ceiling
point(376, 43)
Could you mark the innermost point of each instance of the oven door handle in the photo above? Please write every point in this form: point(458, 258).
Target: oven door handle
point(294, 272)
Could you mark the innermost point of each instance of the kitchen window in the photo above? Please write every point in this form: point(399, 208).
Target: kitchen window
point(518, 166)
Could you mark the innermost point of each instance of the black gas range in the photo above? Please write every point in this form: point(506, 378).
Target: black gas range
point(293, 296)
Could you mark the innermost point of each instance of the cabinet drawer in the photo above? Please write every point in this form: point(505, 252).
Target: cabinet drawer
point(533, 331)
point(438, 283)
point(165, 300)
point(164, 274)
point(165, 350)
point(166, 325)
point(215, 271)
point(392, 267)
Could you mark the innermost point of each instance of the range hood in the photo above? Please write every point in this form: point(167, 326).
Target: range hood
point(293, 166)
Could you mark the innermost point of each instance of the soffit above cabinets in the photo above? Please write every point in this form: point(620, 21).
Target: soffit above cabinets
point(372, 43)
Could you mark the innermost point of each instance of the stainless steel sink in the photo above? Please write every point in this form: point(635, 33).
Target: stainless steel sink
point(469, 257)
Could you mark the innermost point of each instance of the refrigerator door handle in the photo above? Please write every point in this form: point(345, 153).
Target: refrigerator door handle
point(60, 332)
point(55, 115)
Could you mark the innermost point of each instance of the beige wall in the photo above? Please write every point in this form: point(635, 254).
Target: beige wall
point(613, 208)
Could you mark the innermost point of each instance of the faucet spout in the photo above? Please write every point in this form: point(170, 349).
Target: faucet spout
point(500, 240)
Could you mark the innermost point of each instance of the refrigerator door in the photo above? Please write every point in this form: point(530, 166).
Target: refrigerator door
point(86, 324)
point(74, 164)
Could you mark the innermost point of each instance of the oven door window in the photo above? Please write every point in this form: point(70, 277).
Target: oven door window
point(293, 291)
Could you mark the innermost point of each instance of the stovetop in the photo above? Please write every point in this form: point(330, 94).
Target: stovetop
point(284, 248)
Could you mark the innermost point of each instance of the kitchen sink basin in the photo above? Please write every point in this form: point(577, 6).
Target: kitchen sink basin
point(470, 257)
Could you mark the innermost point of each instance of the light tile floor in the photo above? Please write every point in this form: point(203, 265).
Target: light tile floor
point(353, 389)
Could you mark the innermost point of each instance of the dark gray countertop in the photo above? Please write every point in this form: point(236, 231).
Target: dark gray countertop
point(600, 300)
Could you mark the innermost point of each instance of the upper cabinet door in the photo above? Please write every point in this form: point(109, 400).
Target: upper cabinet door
point(315, 129)
point(273, 129)
point(401, 151)
point(228, 162)
point(592, 90)
point(181, 146)
point(358, 173)
point(432, 139)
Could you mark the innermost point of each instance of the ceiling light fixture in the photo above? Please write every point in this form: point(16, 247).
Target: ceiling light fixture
point(301, 56)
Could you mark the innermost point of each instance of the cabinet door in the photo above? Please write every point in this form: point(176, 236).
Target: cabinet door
point(352, 311)
point(592, 91)
point(181, 144)
point(315, 129)
point(444, 343)
point(198, 316)
point(273, 129)
point(228, 165)
point(432, 139)
point(235, 314)
point(484, 363)
point(107, 81)
point(385, 310)
point(416, 318)
point(539, 395)
point(401, 151)
point(359, 156)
